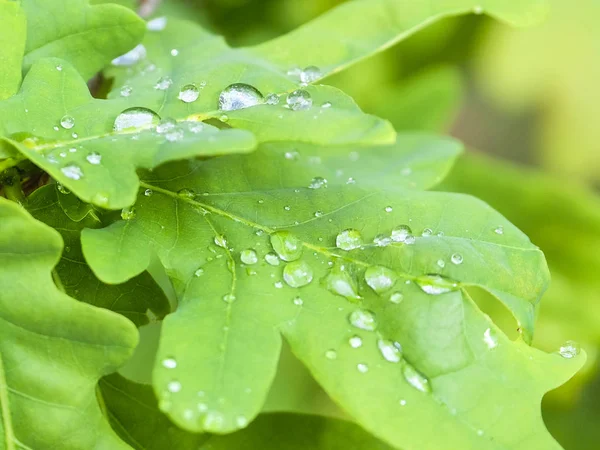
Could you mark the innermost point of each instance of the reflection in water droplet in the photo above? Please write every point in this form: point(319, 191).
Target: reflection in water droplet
point(362, 368)
point(189, 93)
point(388, 209)
point(94, 158)
point(72, 171)
point(239, 96)
point(396, 297)
point(569, 350)
point(436, 284)
point(299, 100)
point(135, 118)
point(355, 341)
point(349, 239)
point(67, 122)
point(249, 256)
point(297, 274)
point(286, 245)
point(389, 351)
point(400, 233)
point(456, 259)
point(416, 379)
point(340, 281)
point(363, 319)
point(317, 183)
point(380, 278)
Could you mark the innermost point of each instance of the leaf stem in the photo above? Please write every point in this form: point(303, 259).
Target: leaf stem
point(11, 182)
point(4, 410)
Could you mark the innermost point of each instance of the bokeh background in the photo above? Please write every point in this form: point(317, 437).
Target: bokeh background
point(525, 102)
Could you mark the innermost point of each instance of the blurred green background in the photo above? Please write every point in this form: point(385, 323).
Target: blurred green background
point(524, 101)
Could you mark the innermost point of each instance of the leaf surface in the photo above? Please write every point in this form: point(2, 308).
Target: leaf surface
point(53, 349)
point(216, 246)
point(12, 42)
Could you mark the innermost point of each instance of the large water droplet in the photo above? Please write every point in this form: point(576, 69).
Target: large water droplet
point(310, 74)
point(189, 93)
point(249, 256)
point(72, 171)
point(297, 274)
point(569, 350)
point(391, 352)
point(135, 118)
point(163, 83)
point(286, 245)
point(400, 233)
point(239, 96)
point(131, 57)
point(363, 319)
point(299, 100)
point(340, 281)
point(380, 278)
point(436, 284)
point(94, 158)
point(349, 239)
point(416, 379)
point(67, 122)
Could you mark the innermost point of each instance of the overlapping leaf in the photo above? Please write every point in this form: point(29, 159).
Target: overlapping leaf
point(53, 349)
point(12, 43)
point(237, 297)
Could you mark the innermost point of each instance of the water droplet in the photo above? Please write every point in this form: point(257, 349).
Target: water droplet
point(135, 118)
point(148, 192)
point(478, 9)
point(229, 298)
point(174, 52)
point(380, 278)
point(239, 96)
point(169, 363)
point(157, 24)
point(126, 91)
point(427, 232)
point(278, 284)
point(319, 213)
point(199, 272)
point(128, 213)
point(331, 354)
point(363, 319)
point(349, 239)
point(241, 421)
point(416, 379)
point(317, 183)
point(163, 83)
point(293, 155)
point(298, 301)
point(569, 350)
point(175, 135)
point(389, 351)
point(388, 209)
point(402, 402)
point(362, 368)
point(131, 57)
point(355, 342)
point(186, 193)
point(499, 230)
point(396, 297)
point(72, 171)
point(340, 282)
point(72, 150)
point(221, 240)
point(381, 240)
point(400, 233)
point(189, 93)
point(310, 74)
point(174, 386)
point(272, 259)
point(297, 274)
point(59, 67)
point(62, 189)
point(436, 284)
point(490, 339)
point(94, 158)
point(272, 99)
point(456, 259)
point(249, 256)
point(479, 432)
point(67, 122)
point(299, 100)
point(195, 127)
point(326, 105)
point(286, 245)
point(441, 264)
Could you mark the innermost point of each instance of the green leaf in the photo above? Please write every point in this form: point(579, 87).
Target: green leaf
point(53, 349)
point(139, 299)
point(238, 308)
point(12, 43)
point(88, 37)
point(86, 155)
point(183, 54)
point(135, 415)
point(359, 28)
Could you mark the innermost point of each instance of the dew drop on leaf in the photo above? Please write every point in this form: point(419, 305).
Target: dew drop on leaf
point(297, 274)
point(221, 241)
point(148, 192)
point(396, 298)
point(189, 93)
point(272, 259)
point(286, 245)
point(62, 189)
point(174, 386)
point(186, 193)
point(499, 230)
point(131, 57)
point(195, 127)
point(326, 105)
point(229, 298)
point(67, 122)
point(400, 233)
point(317, 183)
point(299, 100)
point(355, 342)
point(199, 272)
point(456, 258)
point(349, 239)
point(416, 379)
point(388, 209)
point(390, 351)
point(362, 368)
point(298, 301)
point(165, 125)
point(310, 74)
point(490, 338)
point(174, 52)
point(381, 240)
point(239, 96)
point(169, 363)
point(248, 256)
point(126, 91)
point(128, 213)
point(427, 232)
point(72, 172)
point(340, 282)
point(331, 354)
point(436, 284)
point(569, 350)
point(363, 319)
point(380, 278)
point(94, 158)
point(272, 99)
point(441, 264)
point(163, 83)
point(135, 118)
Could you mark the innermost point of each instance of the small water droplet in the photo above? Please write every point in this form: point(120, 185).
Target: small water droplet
point(441, 264)
point(326, 105)
point(310, 74)
point(135, 118)
point(400, 233)
point(126, 91)
point(355, 342)
point(402, 402)
point(148, 192)
point(317, 183)
point(363, 319)
point(157, 24)
point(340, 281)
point(396, 298)
point(163, 83)
point(186, 193)
point(67, 122)
point(299, 100)
point(199, 272)
point(362, 368)
point(72, 171)
point(189, 93)
point(490, 338)
point(249, 256)
point(286, 245)
point(427, 232)
point(239, 96)
point(380, 278)
point(388, 209)
point(381, 240)
point(272, 99)
point(278, 284)
point(456, 258)
point(349, 239)
point(195, 127)
point(499, 230)
point(131, 57)
point(224, 118)
point(331, 354)
point(59, 68)
point(389, 350)
point(436, 284)
point(62, 189)
point(94, 158)
point(128, 213)
point(174, 52)
point(229, 298)
point(569, 350)
point(298, 301)
point(292, 155)
point(297, 274)
point(174, 386)
point(272, 259)
point(169, 363)
point(221, 240)
point(416, 379)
